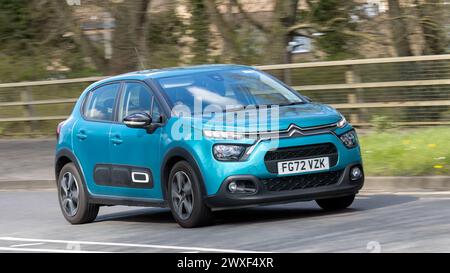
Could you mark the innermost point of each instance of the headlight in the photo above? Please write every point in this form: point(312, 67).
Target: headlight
point(222, 134)
point(228, 152)
point(342, 122)
point(349, 139)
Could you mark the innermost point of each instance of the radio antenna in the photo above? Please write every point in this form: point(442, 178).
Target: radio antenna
point(141, 63)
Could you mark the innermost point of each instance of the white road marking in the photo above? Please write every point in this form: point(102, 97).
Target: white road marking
point(46, 250)
point(420, 193)
point(21, 245)
point(423, 193)
point(28, 190)
point(186, 248)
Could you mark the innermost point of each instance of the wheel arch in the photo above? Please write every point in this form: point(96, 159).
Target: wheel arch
point(170, 159)
point(63, 157)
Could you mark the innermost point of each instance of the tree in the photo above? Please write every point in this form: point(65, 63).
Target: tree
point(200, 31)
point(285, 16)
point(164, 31)
point(333, 19)
point(232, 46)
point(276, 34)
point(32, 34)
point(399, 29)
point(130, 37)
point(14, 24)
point(330, 18)
point(431, 23)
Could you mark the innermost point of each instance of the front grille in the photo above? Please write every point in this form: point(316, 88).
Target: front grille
point(305, 181)
point(300, 152)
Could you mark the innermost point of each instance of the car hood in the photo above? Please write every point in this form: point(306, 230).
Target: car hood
point(303, 115)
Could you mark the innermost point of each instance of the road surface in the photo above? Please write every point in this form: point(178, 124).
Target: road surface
point(36, 156)
point(30, 221)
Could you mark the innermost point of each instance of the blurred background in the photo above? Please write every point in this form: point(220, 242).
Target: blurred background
point(384, 64)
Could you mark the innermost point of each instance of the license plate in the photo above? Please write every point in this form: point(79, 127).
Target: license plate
point(303, 165)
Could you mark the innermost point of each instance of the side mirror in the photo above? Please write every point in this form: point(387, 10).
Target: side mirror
point(138, 120)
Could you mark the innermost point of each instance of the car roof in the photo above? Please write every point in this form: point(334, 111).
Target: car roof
point(169, 72)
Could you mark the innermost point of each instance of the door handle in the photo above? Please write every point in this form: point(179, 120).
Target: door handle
point(81, 135)
point(116, 140)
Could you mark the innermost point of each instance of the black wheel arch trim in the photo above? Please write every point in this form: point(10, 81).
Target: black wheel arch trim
point(185, 155)
point(65, 152)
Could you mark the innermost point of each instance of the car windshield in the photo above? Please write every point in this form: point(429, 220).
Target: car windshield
point(226, 89)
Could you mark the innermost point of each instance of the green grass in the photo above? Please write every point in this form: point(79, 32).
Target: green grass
point(407, 152)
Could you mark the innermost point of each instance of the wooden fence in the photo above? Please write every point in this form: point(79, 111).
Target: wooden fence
point(354, 88)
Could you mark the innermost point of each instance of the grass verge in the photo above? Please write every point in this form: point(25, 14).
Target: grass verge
point(407, 152)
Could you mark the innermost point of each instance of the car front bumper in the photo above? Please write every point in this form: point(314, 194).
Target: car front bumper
point(225, 199)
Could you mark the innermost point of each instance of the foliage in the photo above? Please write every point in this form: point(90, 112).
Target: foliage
point(381, 123)
point(200, 31)
point(164, 31)
point(389, 153)
point(15, 20)
point(45, 30)
point(335, 17)
point(31, 36)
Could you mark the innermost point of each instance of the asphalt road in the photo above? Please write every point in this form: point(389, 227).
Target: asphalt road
point(30, 221)
point(36, 156)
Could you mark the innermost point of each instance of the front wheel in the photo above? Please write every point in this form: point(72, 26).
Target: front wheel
point(338, 203)
point(72, 197)
point(185, 197)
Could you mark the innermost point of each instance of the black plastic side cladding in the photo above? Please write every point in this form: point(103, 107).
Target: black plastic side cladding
point(122, 176)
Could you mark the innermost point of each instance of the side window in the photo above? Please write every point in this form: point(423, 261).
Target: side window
point(138, 98)
point(99, 104)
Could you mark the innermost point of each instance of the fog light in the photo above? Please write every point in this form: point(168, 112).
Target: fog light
point(232, 187)
point(355, 173)
point(242, 186)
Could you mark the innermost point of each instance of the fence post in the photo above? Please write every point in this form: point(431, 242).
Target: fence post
point(352, 98)
point(26, 97)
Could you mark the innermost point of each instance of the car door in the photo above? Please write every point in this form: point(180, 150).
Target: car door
point(91, 133)
point(135, 152)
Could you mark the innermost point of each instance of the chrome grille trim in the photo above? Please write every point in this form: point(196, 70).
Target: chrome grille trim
point(292, 131)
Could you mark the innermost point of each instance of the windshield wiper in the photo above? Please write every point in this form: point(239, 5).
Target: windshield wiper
point(242, 107)
point(292, 103)
point(257, 106)
point(234, 109)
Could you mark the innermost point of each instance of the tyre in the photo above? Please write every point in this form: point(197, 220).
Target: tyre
point(73, 198)
point(185, 197)
point(338, 203)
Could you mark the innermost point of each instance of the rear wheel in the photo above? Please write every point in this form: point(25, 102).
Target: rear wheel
point(185, 197)
point(338, 203)
point(72, 197)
